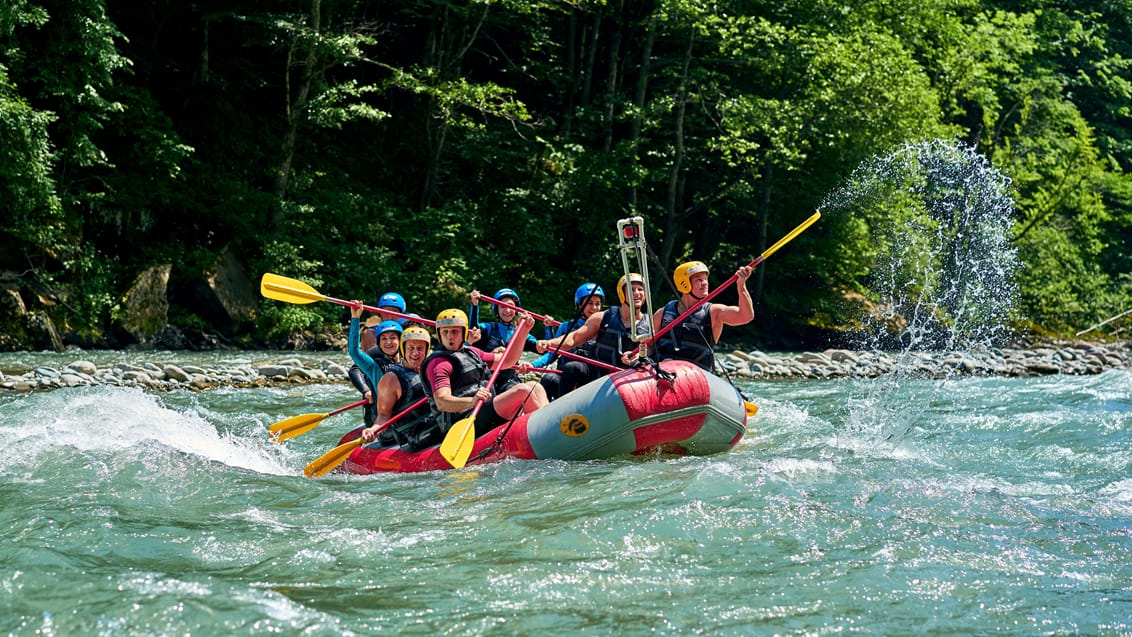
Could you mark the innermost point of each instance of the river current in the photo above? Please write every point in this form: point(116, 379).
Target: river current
point(967, 506)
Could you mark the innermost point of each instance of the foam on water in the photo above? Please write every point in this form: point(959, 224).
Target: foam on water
point(116, 420)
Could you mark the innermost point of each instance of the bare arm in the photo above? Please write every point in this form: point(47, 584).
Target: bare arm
point(735, 314)
point(445, 401)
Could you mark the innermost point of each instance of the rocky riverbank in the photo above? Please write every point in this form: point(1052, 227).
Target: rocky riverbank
point(1076, 358)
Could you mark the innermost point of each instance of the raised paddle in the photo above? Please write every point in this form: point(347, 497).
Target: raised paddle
point(299, 425)
point(734, 277)
point(457, 445)
point(545, 319)
point(282, 288)
point(336, 456)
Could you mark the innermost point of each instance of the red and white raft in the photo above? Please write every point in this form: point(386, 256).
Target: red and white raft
point(684, 411)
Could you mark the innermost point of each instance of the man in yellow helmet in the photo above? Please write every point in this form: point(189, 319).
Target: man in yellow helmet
point(610, 331)
point(455, 377)
point(695, 337)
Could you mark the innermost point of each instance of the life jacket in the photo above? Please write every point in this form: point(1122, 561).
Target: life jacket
point(469, 373)
point(691, 340)
point(418, 429)
point(383, 363)
point(585, 349)
point(613, 338)
point(497, 335)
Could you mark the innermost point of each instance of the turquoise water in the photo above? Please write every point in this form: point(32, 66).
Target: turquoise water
point(971, 506)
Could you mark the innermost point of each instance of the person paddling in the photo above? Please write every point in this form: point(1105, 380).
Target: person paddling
point(694, 338)
point(588, 299)
point(610, 333)
point(370, 365)
point(400, 388)
point(455, 377)
point(495, 335)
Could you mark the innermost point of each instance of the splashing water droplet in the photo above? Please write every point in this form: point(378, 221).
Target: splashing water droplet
point(944, 267)
point(942, 274)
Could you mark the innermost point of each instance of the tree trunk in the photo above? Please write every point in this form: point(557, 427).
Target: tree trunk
point(764, 218)
point(671, 226)
point(639, 101)
point(296, 108)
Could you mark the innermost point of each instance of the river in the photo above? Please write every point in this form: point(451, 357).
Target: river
point(966, 506)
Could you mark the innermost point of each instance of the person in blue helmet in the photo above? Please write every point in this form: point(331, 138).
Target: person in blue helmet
point(609, 333)
point(395, 302)
point(370, 363)
point(588, 299)
point(494, 335)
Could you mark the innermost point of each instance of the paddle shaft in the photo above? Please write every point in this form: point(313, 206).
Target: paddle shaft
point(346, 408)
point(585, 359)
point(294, 288)
point(735, 277)
point(544, 319)
point(336, 456)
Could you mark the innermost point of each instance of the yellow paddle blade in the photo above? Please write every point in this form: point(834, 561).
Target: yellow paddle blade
point(457, 445)
point(793, 233)
point(295, 426)
point(282, 288)
point(325, 463)
point(752, 408)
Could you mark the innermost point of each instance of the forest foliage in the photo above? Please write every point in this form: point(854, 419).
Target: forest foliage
point(432, 147)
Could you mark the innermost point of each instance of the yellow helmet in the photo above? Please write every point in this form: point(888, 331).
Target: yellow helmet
point(452, 318)
point(682, 277)
point(416, 333)
point(622, 291)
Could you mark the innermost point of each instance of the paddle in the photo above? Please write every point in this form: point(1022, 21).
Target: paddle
point(336, 456)
point(457, 445)
point(282, 288)
point(734, 277)
point(299, 425)
point(544, 319)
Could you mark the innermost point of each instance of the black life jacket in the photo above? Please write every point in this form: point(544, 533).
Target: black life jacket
point(691, 340)
point(585, 349)
point(613, 338)
point(469, 373)
point(362, 382)
point(418, 429)
point(495, 336)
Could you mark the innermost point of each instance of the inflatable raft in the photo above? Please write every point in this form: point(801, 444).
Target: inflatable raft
point(679, 409)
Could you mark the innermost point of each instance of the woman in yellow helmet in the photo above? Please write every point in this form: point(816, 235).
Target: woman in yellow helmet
point(695, 337)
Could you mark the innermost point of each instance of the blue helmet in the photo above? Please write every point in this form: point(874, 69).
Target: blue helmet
point(392, 299)
point(387, 326)
point(505, 292)
point(586, 290)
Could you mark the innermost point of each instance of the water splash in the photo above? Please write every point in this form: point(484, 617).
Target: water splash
point(943, 273)
point(117, 425)
point(939, 216)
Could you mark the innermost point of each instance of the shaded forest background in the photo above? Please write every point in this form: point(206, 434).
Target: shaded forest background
point(433, 147)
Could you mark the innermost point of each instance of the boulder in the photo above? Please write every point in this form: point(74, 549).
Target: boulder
point(146, 305)
point(230, 288)
point(24, 330)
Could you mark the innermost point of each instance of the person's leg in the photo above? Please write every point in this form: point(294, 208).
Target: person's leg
point(574, 375)
point(520, 399)
point(550, 384)
point(488, 418)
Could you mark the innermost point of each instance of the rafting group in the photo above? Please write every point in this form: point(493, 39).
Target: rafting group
point(431, 405)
